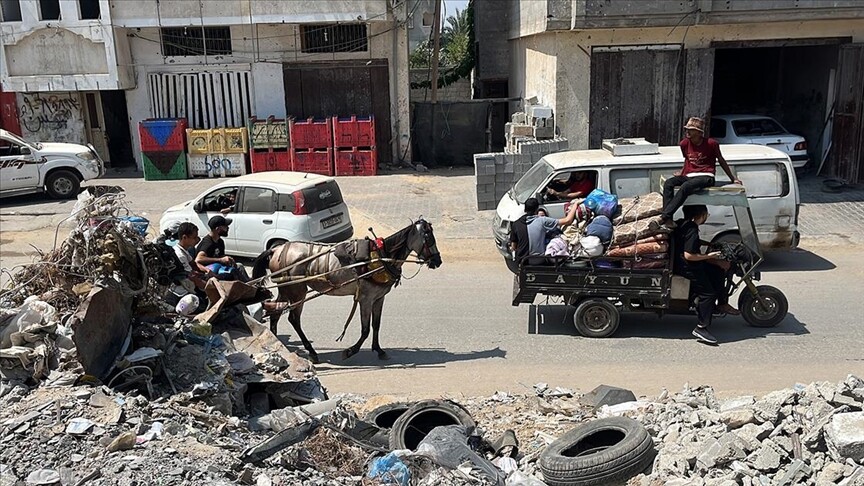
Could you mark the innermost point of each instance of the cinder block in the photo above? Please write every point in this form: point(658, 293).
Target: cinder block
point(485, 179)
point(542, 133)
point(519, 118)
point(563, 143)
point(499, 159)
point(509, 166)
point(521, 130)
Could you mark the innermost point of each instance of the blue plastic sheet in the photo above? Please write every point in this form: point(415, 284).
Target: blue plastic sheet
point(390, 470)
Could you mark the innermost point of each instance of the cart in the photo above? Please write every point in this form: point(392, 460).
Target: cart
point(601, 294)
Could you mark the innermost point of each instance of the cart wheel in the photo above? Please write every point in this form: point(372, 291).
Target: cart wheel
point(596, 318)
point(757, 315)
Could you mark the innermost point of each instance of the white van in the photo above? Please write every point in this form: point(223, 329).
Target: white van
point(767, 175)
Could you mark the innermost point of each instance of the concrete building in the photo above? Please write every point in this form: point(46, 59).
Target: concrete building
point(83, 68)
point(613, 68)
point(421, 14)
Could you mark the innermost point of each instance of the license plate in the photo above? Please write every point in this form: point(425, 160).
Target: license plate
point(331, 221)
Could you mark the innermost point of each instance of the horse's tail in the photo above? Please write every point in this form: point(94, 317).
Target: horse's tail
point(261, 263)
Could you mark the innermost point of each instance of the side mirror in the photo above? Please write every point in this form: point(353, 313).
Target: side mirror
point(198, 207)
point(24, 150)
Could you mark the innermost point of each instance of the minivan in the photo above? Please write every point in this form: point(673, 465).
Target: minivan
point(767, 174)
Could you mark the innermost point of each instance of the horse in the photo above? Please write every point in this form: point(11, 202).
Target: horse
point(305, 261)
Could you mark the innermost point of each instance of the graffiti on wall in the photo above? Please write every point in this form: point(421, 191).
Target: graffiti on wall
point(56, 117)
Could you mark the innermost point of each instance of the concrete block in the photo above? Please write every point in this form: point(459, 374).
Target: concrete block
point(845, 435)
point(508, 166)
point(486, 179)
point(737, 418)
point(520, 118)
point(503, 178)
point(499, 160)
point(607, 395)
point(541, 133)
point(739, 402)
point(563, 144)
point(521, 130)
point(768, 457)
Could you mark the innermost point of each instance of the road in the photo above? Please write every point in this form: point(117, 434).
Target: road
point(453, 330)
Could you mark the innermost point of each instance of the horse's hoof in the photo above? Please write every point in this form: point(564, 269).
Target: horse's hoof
point(383, 356)
point(347, 353)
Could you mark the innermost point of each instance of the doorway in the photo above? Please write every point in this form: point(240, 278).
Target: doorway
point(108, 127)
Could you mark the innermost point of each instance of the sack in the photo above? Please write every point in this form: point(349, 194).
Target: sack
point(601, 202)
point(592, 246)
point(600, 227)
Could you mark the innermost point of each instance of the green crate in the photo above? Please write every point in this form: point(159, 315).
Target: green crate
point(161, 166)
point(268, 133)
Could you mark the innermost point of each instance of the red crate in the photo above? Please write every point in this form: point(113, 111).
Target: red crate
point(267, 160)
point(356, 162)
point(354, 131)
point(162, 134)
point(313, 161)
point(311, 133)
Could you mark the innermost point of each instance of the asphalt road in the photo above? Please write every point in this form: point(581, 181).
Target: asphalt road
point(453, 330)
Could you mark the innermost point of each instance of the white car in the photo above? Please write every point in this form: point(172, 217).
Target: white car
point(268, 209)
point(56, 168)
point(759, 130)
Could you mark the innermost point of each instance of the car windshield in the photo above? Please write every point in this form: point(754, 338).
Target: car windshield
point(527, 186)
point(757, 127)
point(16, 139)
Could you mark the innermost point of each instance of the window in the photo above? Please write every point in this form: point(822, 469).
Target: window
point(89, 9)
point(764, 180)
point(637, 182)
point(10, 11)
point(196, 41)
point(428, 18)
point(718, 128)
point(219, 199)
point(49, 9)
point(757, 126)
point(258, 200)
point(334, 38)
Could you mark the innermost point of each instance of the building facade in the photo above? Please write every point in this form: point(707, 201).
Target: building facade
point(613, 68)
point(90, 70)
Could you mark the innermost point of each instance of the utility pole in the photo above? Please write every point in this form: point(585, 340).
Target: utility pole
point(436, 43)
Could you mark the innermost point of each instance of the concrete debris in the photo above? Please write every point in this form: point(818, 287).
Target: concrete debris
point(845, 436)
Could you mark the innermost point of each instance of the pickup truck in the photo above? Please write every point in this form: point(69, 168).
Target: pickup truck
point(56, 168)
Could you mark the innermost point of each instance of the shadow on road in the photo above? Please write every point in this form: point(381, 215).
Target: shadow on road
point(796, 260)
point(558, 320)
point(331, 359)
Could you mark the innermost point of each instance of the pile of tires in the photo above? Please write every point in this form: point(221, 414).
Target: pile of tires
point(598, 452)
point(408, 423)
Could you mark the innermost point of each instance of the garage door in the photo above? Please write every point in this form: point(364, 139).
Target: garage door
point(636, 93)
point(847, 147)
point(343, 88)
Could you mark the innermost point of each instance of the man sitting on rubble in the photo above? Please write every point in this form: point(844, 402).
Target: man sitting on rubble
point(528, 233)
point(187, 237)
point(211, 252)
point(707, 272)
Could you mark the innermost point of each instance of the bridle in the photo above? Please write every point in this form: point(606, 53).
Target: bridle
point(425, 229)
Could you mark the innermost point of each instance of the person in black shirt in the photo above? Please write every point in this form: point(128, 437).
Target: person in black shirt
point(211, 251)
point(706, 272)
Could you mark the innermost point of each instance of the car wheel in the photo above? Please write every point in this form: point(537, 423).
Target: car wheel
point(416, 422)
point(62, 184)
point(274, 243)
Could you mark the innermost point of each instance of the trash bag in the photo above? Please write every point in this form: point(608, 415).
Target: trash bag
point(390, 469)
point(447, 446)
point(601, 202)
point(591, 245)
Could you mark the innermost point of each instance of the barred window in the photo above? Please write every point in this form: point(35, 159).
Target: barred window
point(196, 41)
point(334, 38)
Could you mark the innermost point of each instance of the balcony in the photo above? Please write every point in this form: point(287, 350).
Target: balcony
point(71, 47)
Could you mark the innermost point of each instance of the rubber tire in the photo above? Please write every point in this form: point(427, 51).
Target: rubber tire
point(621, 460)
point(386, 415)
point(748, 304)
point(409, 430)
point(581, 316)
point(52, 179)
point(274, 243)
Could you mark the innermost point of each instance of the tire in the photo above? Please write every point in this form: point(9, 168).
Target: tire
point(752, 311)
point(596, 318)
point(599, 452)
point(413, 426)
point(274, 243)
point(387, 415)
point(62, 184)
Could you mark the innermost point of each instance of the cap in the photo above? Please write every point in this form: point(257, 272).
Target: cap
point(217, 221)
point(695, 123)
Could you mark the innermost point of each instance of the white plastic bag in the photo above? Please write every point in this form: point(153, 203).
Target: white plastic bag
point(592, 245)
